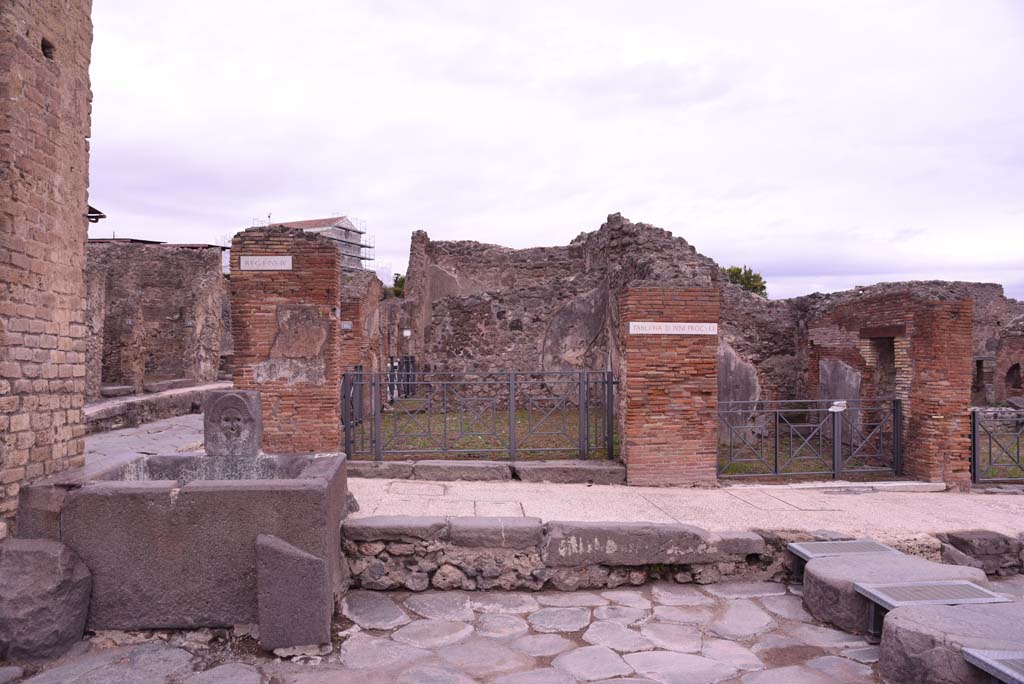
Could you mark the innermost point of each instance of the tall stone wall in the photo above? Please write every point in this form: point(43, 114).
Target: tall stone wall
point(286, 322)
point(44, 158)
point(158, 311)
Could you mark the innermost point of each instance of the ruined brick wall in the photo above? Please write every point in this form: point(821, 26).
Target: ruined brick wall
point(286, 327)
point(931, 340)
point(44, 157)
point(366, 344)
point(478, 307)
point(1008, 368)
point(669, 388)
point(162, 308)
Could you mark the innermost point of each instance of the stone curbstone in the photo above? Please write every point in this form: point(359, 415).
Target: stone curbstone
point(501, 533)
point(595, 543)
point(571, 472)
point(396, 528)
point(739, 543)
point(449, 471)
point(389, 470)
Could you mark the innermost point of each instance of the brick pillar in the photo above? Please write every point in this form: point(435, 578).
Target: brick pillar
point(669, 385)
point(285, 299)
point(44, 178)
point(937, 445)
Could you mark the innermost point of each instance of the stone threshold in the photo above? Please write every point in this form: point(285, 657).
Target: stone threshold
point(901, 486)
point(130, 411)
point(560, 471)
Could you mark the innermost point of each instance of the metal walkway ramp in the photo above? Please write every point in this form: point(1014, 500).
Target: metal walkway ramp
point(884, 597)
point(1005, 667)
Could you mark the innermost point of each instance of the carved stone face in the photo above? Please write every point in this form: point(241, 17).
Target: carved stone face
point(233, 423)
point(232, 426)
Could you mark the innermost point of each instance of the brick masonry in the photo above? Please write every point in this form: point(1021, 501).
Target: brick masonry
point(668, 390)
point(44, 158)
point(931, 340)
point(287, 337)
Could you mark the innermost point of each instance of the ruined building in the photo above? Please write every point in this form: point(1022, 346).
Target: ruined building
point(45, 49)
point(157, 315)
point(472, 306)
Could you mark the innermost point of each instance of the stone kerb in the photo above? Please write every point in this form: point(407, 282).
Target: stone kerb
point(387, 552)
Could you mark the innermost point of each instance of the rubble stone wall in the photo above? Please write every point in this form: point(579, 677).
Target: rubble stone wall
point(45, 50)
point(158, 310)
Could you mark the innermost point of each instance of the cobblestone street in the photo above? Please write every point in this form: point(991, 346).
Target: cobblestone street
point(748, 633)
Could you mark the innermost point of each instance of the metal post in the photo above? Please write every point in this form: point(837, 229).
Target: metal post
point(609, 414)
point(837, 444)
point(346, 414)
point(974, 446)
point(378, 446)
point(777, 442)
point(897, 436)
point(581, 429)
point(511, 416)
point(876, 620)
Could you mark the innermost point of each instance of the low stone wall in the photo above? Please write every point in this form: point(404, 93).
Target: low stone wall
point(471, 553)
point(117, 414)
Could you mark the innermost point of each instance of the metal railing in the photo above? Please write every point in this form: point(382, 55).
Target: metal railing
point(997, 452)
point(809, 438)
point(478, 415)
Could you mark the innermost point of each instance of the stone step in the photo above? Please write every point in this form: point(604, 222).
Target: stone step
point(830, 594)
point(924, 644)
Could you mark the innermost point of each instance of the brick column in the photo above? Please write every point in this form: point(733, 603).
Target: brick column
point(285, 321)
point(669, 385)
point(937, 445)
point(44, 177)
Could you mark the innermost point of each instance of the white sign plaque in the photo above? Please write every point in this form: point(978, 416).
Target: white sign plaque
point(660, 328)
point(265, 263)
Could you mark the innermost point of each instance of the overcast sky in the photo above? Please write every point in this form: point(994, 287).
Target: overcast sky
point(825, 144)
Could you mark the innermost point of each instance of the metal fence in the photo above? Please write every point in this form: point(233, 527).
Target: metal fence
point(809, 437)
point(996, 449)
point(408, 414)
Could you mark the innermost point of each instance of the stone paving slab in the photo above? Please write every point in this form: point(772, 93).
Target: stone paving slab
point(507, 637)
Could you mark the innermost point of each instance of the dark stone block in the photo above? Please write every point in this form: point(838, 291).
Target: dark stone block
point(502, 533)
point(164, 557)
point(294, 595)
point(594, 472)
point(598, 543)
point(389, 470)
point(396, 528)
point(44, 598)
point(449, 471)
point(233, 423)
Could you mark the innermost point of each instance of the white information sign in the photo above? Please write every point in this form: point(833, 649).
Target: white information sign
point(265, 263)
point(660, 328)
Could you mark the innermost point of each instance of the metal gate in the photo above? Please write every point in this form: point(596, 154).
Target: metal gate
point(404, 413)
point(996, 449)
point(809, 438)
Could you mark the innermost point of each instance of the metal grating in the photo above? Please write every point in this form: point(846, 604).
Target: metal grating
point(945, 593)
point(1005, 666)
point(809, 550)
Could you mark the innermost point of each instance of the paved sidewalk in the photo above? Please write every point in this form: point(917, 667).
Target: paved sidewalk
point(887, 515)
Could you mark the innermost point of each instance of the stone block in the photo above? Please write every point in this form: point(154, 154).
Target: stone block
point(449, 471)
point(164, 557)
point(828, 583)
point(922, 644)
point(739, 544)
point(294, 595)
point(44, 599)
point(233, 423)
point(502, 533)
point(388, 470)
point(39, 508)
point(598, 543)
point(565, 472)
point(396, 528)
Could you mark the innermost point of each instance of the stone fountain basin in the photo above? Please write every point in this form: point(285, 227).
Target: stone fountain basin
point(171, 539)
